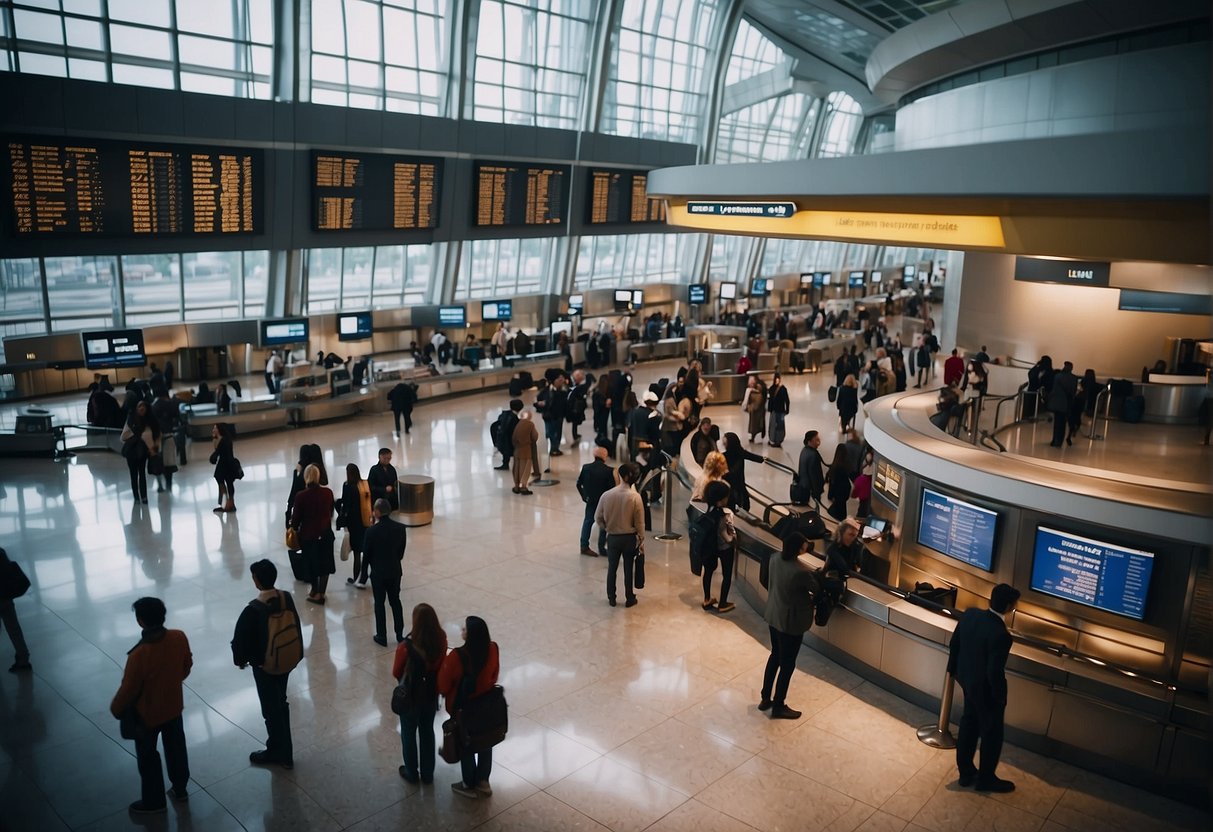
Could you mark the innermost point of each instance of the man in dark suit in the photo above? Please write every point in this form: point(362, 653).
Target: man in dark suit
point(595, 479)
point(1061, 397)
point(383, 548)
point(978, 660)
point(382, 480)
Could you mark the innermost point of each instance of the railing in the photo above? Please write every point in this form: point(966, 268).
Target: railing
point(1105, 395)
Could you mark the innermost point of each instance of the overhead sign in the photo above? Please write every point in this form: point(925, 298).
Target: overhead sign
point(1069, 272)
point(776, 210)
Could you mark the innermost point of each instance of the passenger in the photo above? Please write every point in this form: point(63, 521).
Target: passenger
point(385, 544)
point(578, 399)
point(140, 442)
point(735, 455)
point(715, 469)
point(847, 553)
point(525, 459)
point(1090, 388)
point(674, 419)
point(982, 355)
point(402, 398)
point(552, 404)
point(862, 488)
point(502, 433)
point(778, 405)
point(497, 345)
point(703, 440)
point(167, 412)
point(226, 467)
point(1040, 382)
point(954, 368)
point(754, 403)
point(419, 657)
point(223, 400)
point(838, 479)
point(723, 548)
point(1059, 402)
point(354, 515)
point(8, 614)
point(273, 372)
point(382, 479)
point(976, 380)
point(479, 659)
point(847, 402)
point(621, 513)
point(789, 614)
point(596, 478)
point(809, 470)
point(312, 516)
point(600, 404)
point(856, 448)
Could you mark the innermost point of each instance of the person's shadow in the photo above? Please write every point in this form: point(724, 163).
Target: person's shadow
point(229, 545)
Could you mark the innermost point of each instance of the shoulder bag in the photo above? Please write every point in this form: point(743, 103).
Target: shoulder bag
point(13, 581)
point(483, 720)
point(292, 538)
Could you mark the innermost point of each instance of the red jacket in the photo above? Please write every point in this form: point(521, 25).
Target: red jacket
point(451, 674)
point(313, 513)
point(953, 370)
point(402, 656)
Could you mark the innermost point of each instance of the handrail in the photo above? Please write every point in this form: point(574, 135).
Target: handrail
point(1004, 399)
point(1106, 395)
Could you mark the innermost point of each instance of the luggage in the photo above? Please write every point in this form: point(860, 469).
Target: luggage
point(808, 523)
point(1133, 409)
point(515, 387)
point(298, 569)
point(944, 596)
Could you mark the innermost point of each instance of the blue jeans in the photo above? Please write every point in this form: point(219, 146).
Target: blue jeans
point(585, 529)
point(553, 429)
point(419, 721)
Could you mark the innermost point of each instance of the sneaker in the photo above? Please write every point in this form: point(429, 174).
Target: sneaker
point(708, 604)
point(784, 712)
point(484, 788)
point(361, 584)
point(997, 786)
point(21, 667)
point(765, 704)
point(727, 606)
point(526, 492)
point(141, 808)
point(217, 510)
point(178, 795)
point(458, 788)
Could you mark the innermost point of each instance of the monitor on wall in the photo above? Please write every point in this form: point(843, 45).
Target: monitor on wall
point(354, 326)
point(623, 300)
point(958, 529)
point(455, 316)
point(759, 287)
point(113, 348)
point(697, 294)
point(637, 298)
point(856, 280)
point(562, 326)
point(1094, 573)
point(496, 310)
point(283, 331)
point(576, 304)
point(728, 290)
point(877, 277)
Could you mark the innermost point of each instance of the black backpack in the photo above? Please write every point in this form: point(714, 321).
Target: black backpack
point(808, 523)
point(502, 431)
point(702, 531)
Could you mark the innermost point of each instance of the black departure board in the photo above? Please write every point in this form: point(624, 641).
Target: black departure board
point(513, 193)
point(620, 197)
point(374, 192)
point(60, 186)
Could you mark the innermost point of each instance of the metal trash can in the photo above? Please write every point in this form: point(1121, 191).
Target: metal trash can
point(416, 499)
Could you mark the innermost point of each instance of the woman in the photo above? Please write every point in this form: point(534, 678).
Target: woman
point(847, 553)
point(868, 381)
point(736, 456)
point(308, 455)
point(354, 515)
point(789, 614)
point(862, 489)
point(223, 457)
point(715, 469)
point(1092, 388)
point(480, 662)
point(140, 442)
point(673, 421)
point(600, 401)
point(778, 405)
point(838, 483)
point(754, 403)
point(525, 439)
point(704, 439)
point(223, 400)
point(723, 549)
point(976, 380)
point(1040, 382)
point(312, 516)
point(695, 387)
point(847, 402)
point(420, 655)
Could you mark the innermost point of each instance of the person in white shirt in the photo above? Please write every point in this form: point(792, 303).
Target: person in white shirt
point(273, 372)
point(500, 340)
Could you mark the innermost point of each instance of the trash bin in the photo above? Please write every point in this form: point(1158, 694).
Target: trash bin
point(416, 499)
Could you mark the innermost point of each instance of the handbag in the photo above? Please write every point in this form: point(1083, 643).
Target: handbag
point(155, 465)
point(13, 581)
point(292, 538)
point(450, 750)
point(638, 570)
point(130, 726)
point(345, 545)
point(832, 394)
point(237, 469)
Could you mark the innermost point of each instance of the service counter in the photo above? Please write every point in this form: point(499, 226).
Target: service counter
point(247, 416)
point(448, 384)
point(657, 350)
point(1171, 399)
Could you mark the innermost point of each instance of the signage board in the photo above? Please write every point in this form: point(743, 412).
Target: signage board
point(1067, 272)
point(767, 210)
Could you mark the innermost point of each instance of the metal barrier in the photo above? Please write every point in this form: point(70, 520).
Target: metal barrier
point(1106, 396)
point(939, 733)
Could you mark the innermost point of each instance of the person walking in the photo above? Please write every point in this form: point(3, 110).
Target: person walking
point(468, 672)
point(272, 608)
point(789, 614)
point(621, 512)
point(419, 657)
point(223, 457)
point(847, 402)
point(809, 469)
point(385, 542)
point(313, 517)
point(525, 440)
point(722, 550)
point(354, 515)
point(140, 442)
point(1061, 397)
point(151, 699)
point(596, 478)
point(977, 659)
point(383, 480)
point(13, 584)
point(273, 373)
point(778, 405)
point(402, 397)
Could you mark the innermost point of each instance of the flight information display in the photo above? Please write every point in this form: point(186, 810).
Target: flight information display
point(374, 192)
point(66, 186)
point(1091, 572)
point(620, 197)
point(113, 348)
point(515, 193)
point(957, 529)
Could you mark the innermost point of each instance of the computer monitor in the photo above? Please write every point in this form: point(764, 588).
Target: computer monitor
point(806, 278)
point(855, 280)
point(113, 348)
point(561, 326)
point(877, 277)
point(637, 298)
point(283, 331)
point(496, 310)
point(354, 326)
point(623, 300)
point(827, 278)
point(758, 287)
point(697, 294)
point(958, 529)
point(728, 290)
point(455, 316)
point(576, 304)
point(1094, 573)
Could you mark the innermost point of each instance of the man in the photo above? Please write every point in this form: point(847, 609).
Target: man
point(1061, 397)
point(502, 433)
point(621, 512)
point(552, 403)
point(402, 398)
point(499, 341)
point(596, 478)
point(778, 405)
point(704, 440)
point(982, 355)
point(525, 460)
point(953, 369)
point(977, 659)
point(382, 479)
point(273, 372)
point(11, 588)
point(578, 398)
point(644, 428)
point(249, 648)
point(809, 470)
point(383, 547)
point(152, 687)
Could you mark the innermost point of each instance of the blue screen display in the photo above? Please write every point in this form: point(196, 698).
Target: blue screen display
point(1091, 572)
point(758, 288)
point(451, 316)
point(697, 293)
point(957, 529)
point(855, 280)
point(284, 331)
point(356, 326)
point(496, 310)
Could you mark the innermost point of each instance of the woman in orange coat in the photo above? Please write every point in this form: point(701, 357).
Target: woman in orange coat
point(424, 645)
point(479, 659)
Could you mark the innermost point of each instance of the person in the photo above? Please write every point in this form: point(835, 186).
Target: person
point(1060, 398)
point(723, 551)
point(809, 469)
point(644, 432)
point(223, 457)
point(715, 469)
point(1090, 388)
point(402, 398)
point(847, 552)
point(140, 442)
point(8, 618)
point(382, 479)
point(596, 478)
point(975, 380)
point(384, 544)
point(151, 686)
point(953, 369)
point(522, 344)
point(503, 437)
point(552, 404)
point(621, 512)
point(172, 435)
point(674, 419)
point(223, 399)
point(168, 374)
point(736, 457)
point(862, 489)
point(703, 440)
point(922, 358)
point(525, 439)
point(838, 482)
point(312, 516)
point(204, 395)
point(754, 404)
point(273, 372)
point(354, 515)
point(1040, 382)
point(846, 399)
point(479, 660)
point(498, 342)
point(578, 399)
point(982, 355)
point(420, 654)
point(600, 404)
point(778, 406)
point(789, 614)
point(249, 643)
point(977, 659)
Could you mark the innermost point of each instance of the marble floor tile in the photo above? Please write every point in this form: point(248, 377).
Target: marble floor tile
point(202, 813)
point(598, 719)
point(668, 687)
point(25, 805)
point(951, 808)
point(680, 756)
point(880, 821)
point(694, 816)
point(267, 799)
point(541, 813)
point(734, 717)
point(616, 796)
point(540, 754)
point(838, 763)
point(772, 798)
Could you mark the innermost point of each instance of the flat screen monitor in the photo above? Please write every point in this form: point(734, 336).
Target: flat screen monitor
point(758, 287)
point(354, 326)
point(697, 294)
point(113, 348)
point(877, 277)
point(455, 316)
point(827, 278)
point(907, 275)
point(576, 304)
point(855, 280)
point(806, 278)
point(283, 331)
point(728, 290)
point(957, 529)
point(818, 279)
point(623, 300)
point(496, 310)
point(1106, 576)
point(637, 298)
point(562, 326)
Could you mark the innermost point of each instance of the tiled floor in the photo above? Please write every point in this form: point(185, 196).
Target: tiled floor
point(631, 719)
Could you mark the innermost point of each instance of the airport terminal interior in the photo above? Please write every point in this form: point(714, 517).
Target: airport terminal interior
point(619, 188)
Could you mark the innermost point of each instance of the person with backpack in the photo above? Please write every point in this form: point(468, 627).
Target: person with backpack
point(596, 478)
point(501, 432)
point(791, 590)
point(402, 398)
point(418, 659)
point(718, 545)
point(467, 672)
point(269, 639)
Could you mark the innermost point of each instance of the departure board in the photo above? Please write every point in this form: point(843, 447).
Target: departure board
point(61, 186)
point(620, 197)
point(374, 192)
point(511, 193)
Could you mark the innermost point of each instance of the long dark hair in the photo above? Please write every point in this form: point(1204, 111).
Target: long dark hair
point(732, 445)
point(427, 636)
point(316, 457)
point(352, 475)
point(793, 544)
point(477, 644)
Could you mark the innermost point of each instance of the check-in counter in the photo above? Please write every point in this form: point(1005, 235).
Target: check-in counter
point(719, 361)
point(657, 350)
point(1172, 399)
point(448, 384)
point(729, 388)
point(247, 417)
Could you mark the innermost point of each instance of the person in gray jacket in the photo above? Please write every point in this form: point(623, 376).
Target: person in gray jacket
point(789, 614)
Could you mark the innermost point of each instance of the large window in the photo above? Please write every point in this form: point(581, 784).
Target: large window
point(531, 61)
point(380, 54)
point(403, 275)
point(366, 277)
point(843, 117)
point(490, 268)
point(636, 259)
point(753, 54)
point(769, 131)
point(21, 310)
point(224, 47)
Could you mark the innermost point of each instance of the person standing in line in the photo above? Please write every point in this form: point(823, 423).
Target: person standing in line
point(621, 512)
point(152, 681)
point(553, 402)
point(167, 414)
point(8, 614)
point(596, 478)
point(723, 548)
point(578, 402)
point(402, 398)
point(385, 542)
point(140, 442)
point(838, 480)
point(498, 342)
point(354, 514)
point(273, 372)
point(847, 402)
point(809, 468)
point(525, 461)
point(503, 439)
point(312, 516)
point(382, 479)
point(420, 656)
point(1061, 397)
point(479, 660)
point(753, 402)
point(250, 643)
point(223, 457)
point(977, 659)
point(789, 614)
point(953, 369)
point(736, 457)
point(600, 401)
point(778, 405)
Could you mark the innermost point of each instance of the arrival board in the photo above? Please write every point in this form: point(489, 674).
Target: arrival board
point(620, 197)
point(374, 192)
point(514, 193)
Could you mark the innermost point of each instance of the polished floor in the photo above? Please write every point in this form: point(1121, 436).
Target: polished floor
point(621, 719)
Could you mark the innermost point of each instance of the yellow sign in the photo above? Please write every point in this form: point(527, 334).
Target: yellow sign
point(942, 230)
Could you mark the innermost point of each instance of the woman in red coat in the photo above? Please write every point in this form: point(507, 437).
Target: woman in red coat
point(479, 659)
point(312, 515)
point(424, 645)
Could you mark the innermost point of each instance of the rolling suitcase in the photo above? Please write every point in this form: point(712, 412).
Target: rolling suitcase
point(297, 566)
point(1133, 409)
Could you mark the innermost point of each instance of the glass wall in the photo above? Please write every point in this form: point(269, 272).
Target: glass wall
point(500, 268)
point(367, 277)
point(753, 54)
point(636, 259)
point(769, 131)
point(21, 309)
point(843, 117)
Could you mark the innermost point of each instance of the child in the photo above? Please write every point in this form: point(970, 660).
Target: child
point(716, 494)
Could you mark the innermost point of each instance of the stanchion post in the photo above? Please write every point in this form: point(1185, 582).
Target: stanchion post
point(668, 499)
point(939, 734)
point(544, 482)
